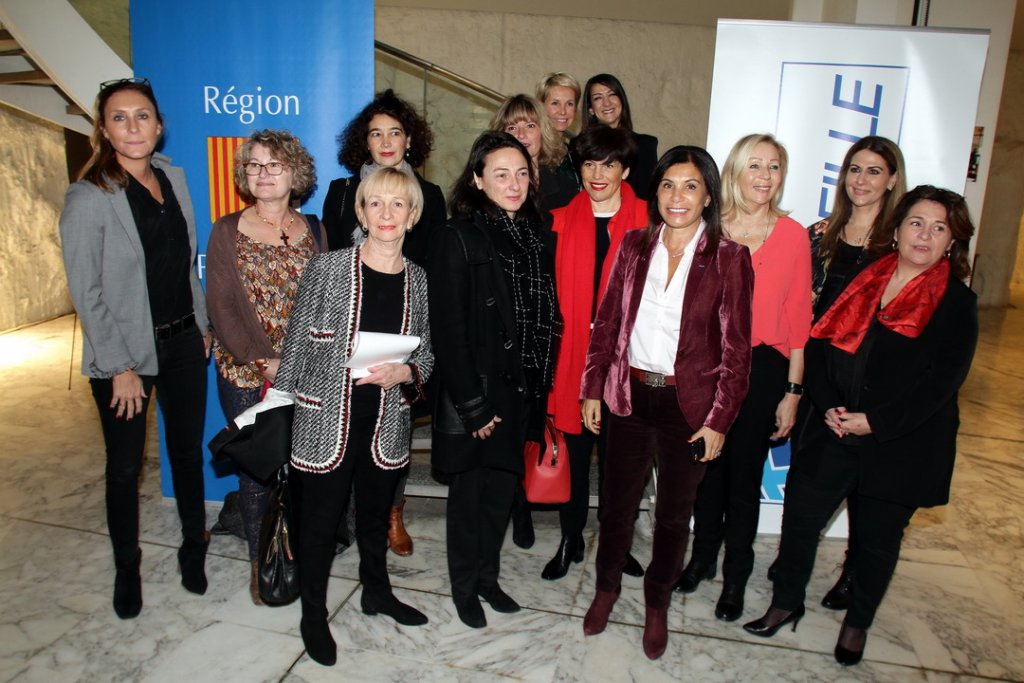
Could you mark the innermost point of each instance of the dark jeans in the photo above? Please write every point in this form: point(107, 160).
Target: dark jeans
point(479, 501)
point(322, 498)
point(181, 394)
point(729, 500)
point(252, 494)
point(572, 515)
point(656, 426)
point(811, 499)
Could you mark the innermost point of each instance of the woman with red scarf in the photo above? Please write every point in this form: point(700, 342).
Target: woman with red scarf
point(884, 365)
point(589, 231)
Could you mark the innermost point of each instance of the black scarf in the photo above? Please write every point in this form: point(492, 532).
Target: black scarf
point(531, 285)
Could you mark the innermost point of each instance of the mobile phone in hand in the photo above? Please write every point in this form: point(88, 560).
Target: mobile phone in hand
point(697, 449)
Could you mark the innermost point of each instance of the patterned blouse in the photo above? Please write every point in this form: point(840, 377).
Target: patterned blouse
point(270, 275)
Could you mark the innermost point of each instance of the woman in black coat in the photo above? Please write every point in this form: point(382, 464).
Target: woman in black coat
point(606, 104)
point(884, 365)
point(494, 326)
point(387, 133)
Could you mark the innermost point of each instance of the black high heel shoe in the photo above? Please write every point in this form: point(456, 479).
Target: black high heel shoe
point(849, 656)
point(766, 626)
point(569, 550)
point(633, 567)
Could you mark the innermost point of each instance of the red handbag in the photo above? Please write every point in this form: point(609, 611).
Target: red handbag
point(546, 478)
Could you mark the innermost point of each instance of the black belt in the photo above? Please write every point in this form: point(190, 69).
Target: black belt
point(168, 330)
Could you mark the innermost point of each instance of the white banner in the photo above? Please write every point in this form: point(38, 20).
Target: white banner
point(820, 87)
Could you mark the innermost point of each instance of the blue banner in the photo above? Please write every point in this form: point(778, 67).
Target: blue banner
point(223, 69)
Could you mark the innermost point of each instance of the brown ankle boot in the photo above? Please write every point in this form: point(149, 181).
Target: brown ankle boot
point(254, 583)
point(398, 538)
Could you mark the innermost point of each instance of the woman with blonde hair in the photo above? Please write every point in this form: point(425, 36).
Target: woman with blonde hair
point(525, 119)
point(728, 501)
point(560, 94)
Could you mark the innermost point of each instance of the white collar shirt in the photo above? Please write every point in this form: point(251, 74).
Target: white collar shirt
point(654, 341)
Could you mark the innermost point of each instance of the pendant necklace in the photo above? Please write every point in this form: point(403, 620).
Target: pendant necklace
point(284, 228)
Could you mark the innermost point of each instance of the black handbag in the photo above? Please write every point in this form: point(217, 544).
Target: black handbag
point(278, 561)
point(260, 448)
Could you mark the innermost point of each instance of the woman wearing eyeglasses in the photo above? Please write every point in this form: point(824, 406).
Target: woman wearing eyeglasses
point(254, 261)
point(129, 241)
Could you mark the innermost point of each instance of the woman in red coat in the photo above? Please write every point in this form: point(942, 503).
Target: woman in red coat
point(589, 231)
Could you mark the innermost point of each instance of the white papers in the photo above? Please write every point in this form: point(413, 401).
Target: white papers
point(274, 398)
point(374, 348)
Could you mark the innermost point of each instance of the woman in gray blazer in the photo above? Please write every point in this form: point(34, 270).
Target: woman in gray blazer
point(129, 242)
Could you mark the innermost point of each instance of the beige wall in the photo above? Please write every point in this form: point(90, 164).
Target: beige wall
point(999, 241)
point(665, 68)
point(32, 195)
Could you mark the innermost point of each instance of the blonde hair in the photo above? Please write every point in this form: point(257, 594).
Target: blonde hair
point(390, 180)
point(525, 108)
point(736, 164)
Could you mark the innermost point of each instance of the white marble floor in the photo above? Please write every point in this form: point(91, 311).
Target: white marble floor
point(954, 611)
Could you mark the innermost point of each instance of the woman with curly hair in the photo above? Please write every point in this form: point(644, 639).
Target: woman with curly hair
point(388, 132)
point(254, 261)
point(525, 119)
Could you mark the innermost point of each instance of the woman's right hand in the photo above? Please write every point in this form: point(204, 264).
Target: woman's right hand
point(127, 394)
point(488, 429)
point(591, 411)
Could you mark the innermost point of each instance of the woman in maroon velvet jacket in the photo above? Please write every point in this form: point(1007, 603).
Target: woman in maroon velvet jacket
point(670, 355)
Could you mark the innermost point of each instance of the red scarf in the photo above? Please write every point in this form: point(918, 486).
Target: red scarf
point(574, 282)
point(848, 319)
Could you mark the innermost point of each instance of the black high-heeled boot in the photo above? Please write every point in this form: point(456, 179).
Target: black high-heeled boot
point(569, 550)
point(192, 564)
point(128, 586)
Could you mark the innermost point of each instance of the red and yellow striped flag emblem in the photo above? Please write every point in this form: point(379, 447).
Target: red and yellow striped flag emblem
point(220, 154)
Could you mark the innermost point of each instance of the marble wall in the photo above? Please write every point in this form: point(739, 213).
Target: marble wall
point(32, 189)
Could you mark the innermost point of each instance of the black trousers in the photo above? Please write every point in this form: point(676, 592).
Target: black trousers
point(812, 496)
point(322, 499)
point(729, 499)
point(656, 426)
point(181, 393)
point(572, 515)
point(479, 501)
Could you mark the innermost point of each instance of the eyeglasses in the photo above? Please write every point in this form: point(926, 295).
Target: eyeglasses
point(122, 81)
point(272, 167)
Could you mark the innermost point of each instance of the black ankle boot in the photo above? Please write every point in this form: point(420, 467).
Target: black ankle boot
point(569, 550)
point(633, 566)
point(191, 563)
point(838, 597)
point(128, 586)
point(319, 642)
point(390, 606)
point(730, 604)
point(695, 572)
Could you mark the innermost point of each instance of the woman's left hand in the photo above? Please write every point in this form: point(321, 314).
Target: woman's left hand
point(713, 442)
point(785, 416)
point(387, 375)
point(854, 423)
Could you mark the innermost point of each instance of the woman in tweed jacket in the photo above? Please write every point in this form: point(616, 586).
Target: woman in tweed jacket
point(347, 428)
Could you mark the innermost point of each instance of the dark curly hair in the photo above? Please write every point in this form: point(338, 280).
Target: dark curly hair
point(353, 150)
